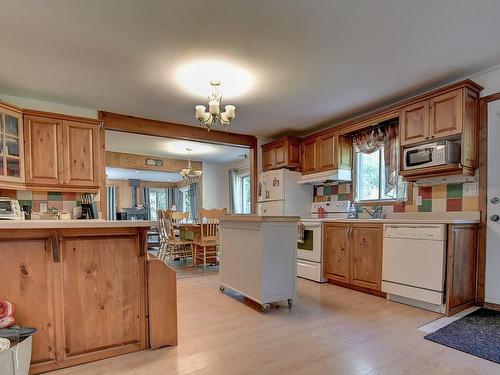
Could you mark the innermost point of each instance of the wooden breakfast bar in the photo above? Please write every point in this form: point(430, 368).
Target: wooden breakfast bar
point(89, 287)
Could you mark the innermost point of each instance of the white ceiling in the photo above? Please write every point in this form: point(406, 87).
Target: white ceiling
point(171, 148)
point(313, 61)
point(127, 174)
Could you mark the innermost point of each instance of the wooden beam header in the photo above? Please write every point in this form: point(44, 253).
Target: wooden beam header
point(138, 125)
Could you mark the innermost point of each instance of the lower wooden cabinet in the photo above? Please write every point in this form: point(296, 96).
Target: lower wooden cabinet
point(353, 254)
point(461, 267)
point(86, 292)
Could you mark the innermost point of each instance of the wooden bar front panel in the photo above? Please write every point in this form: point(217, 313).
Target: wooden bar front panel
point(28, 282)
point(102, 280)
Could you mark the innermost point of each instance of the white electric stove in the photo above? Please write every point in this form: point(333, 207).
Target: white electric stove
point(310, 251)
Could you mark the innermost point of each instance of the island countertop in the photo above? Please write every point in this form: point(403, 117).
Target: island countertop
point(73, 224)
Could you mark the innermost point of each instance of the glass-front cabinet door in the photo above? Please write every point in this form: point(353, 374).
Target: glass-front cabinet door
point(11, 145)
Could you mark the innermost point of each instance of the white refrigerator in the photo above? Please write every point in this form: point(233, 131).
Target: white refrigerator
point(279, 194)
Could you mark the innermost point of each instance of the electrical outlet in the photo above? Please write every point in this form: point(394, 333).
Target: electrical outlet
point(470, 189)
point(43, 207)
point(418, 200)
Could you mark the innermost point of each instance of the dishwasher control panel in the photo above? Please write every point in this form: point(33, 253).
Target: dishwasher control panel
point(435, 232)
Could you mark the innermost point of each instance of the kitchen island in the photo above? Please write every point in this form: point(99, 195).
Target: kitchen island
point(258, 257)
point(89, 288)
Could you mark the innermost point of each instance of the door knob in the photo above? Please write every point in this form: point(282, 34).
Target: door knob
point(494, 200)
point(494, 217)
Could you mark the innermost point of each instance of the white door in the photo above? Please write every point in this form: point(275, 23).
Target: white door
point(492, 292)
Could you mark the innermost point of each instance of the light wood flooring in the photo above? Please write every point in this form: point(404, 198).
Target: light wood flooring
point(330, 330)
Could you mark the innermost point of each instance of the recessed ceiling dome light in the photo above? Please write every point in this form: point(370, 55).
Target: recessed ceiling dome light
point(196, 148)
point(194, 77)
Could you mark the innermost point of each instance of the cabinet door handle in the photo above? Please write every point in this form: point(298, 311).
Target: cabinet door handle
point(56, 251)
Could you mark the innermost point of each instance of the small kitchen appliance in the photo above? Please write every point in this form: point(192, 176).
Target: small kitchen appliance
point(310, 249)
point(431, 155)
point(10, 209)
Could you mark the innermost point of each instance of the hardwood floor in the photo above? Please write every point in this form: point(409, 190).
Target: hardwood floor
point(330, 330)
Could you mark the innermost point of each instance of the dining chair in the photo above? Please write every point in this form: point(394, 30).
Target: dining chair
point(207, 249)
point(177, 248)
point(163, 233)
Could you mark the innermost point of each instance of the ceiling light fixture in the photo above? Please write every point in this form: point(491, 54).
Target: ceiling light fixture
point(214, 116)
point(189, 174)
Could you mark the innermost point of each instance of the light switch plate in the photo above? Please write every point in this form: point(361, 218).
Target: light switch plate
point(470, 189)
point(43, 207)
point(418, 200)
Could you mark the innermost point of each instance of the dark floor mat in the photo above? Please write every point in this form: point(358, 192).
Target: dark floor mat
point(477, 333)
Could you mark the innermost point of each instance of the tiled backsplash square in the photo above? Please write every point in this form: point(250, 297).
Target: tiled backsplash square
point(437, 198)
point(65, 202)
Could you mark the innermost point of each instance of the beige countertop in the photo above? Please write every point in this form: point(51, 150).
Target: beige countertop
point(61, 224)
point(257, 218)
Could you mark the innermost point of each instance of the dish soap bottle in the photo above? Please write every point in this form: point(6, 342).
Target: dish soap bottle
point(352, 214)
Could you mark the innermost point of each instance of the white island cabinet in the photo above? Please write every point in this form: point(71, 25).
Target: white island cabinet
point(258, 257)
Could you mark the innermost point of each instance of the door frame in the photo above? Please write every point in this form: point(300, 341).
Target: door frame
point(483, 196)
point(138, 125)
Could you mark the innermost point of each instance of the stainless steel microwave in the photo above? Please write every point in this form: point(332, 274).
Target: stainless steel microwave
point(431, 155)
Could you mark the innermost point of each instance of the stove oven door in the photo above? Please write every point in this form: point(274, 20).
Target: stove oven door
point(310, 249)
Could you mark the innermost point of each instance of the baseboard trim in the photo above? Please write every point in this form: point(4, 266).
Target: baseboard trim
point(492, 306)
point(374, 292)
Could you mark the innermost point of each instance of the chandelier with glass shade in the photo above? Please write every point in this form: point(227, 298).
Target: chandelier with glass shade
point(189, 174)
point(214, 116)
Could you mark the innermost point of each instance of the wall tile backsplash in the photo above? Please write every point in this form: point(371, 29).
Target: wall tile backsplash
point(437, 198)
point(38, 200)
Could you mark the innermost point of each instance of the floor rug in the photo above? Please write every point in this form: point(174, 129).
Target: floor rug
point(477, 333)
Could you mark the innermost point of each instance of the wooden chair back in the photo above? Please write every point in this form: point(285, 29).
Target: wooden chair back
point(162, 225)
point(209, 220)
point(179, 217)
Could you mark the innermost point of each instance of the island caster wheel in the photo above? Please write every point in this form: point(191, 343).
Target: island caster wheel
point(290, 303)
point(222, 288)
point(266, 307)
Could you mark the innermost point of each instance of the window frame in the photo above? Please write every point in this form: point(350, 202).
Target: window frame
point(380, 201)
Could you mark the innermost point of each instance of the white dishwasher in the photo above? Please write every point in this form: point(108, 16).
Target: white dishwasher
point(413, 266)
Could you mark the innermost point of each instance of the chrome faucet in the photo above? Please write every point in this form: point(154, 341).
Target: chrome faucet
point(376, 213)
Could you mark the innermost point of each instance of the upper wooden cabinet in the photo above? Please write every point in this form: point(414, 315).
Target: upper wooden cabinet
point(440, 116)
point(80, 146)
point(61, 152)
point(326, 152)
point(43, 151)
point(309, 156)
point(353, 254)
point(11, 144)
point(282, 153)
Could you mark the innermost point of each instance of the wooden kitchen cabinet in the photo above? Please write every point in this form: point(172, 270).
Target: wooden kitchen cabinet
point(282, 153)
point(326, 152)
point(80, 146)
point(336, 252)
point(11, 146)
point(461, 267)
point(43, 156)
point(309, 156)
point(445, 115)
point(61, 153)
point(414, 124)
point(353, 255)
point(366, 257)
point(449, 114)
